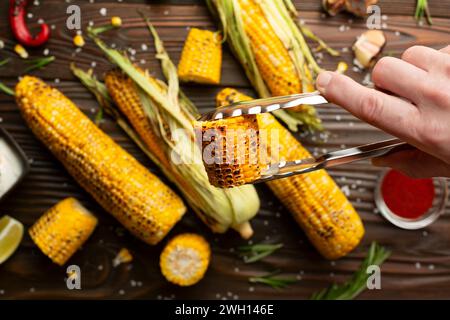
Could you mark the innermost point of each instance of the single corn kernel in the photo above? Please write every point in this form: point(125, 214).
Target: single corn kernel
point(21, 51)
point(116, 22)
point(123, 256)
point(342, 67)
point(78, 40)
point(63, 229)
point(185, 259)
point(201, 58)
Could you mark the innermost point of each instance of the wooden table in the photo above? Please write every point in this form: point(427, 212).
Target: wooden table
point(418, 268)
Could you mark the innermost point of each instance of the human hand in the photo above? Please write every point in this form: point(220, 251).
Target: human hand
point(419, 113)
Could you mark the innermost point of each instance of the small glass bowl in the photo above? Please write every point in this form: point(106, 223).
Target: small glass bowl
point(437, 209)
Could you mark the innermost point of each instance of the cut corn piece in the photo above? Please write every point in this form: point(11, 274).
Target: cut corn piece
point(185, 259)
point(134, 196)
point(63, 229)
point(201, 58)
point(237, 165)
point(314, 199)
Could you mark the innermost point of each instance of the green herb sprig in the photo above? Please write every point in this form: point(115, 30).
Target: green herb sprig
point(352, 288)
point(5, 89)
point(256, 252)
point(4, 62)
point(423, 10)
point(39, 63)
point(273, 280)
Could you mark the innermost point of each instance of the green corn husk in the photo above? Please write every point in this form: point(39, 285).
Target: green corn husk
point(171, 111)
point(281, 14)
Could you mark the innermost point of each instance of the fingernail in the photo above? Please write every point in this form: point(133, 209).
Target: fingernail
point(323, 80)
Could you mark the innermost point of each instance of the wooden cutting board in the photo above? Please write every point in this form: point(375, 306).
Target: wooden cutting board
point(418, 268)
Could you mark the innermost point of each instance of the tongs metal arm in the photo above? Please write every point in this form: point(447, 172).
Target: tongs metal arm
point(331, 159)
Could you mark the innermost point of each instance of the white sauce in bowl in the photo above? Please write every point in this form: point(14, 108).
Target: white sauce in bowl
point(11, 167)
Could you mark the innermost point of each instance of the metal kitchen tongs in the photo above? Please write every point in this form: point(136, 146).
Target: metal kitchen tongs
point(327, 160)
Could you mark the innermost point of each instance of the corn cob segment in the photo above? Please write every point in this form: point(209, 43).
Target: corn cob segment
point(201, 58)
point(185, 259)
point(314, 199)
point(273, 60)
point(230, 151)
point(133, 195)
point(63, 229)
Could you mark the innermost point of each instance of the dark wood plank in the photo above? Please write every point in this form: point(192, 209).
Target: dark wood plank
point(29, 274)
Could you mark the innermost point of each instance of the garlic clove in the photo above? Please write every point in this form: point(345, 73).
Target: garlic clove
point(368, 46)
point(333, 7)
point(359, 7)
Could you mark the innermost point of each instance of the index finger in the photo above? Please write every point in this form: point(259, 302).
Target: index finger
point(391, 114)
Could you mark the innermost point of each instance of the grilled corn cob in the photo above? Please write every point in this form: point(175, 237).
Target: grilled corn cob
point(273, 51)
point(185, 259)
point(273, 60)
point(314, 199)
point(63, 229)
point(133, 195)
point(201, 58)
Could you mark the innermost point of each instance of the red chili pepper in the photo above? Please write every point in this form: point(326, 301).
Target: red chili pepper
point(17, 12)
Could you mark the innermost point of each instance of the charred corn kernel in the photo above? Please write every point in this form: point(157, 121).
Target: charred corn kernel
point(123, 256)
point(63, 229)
point(116, 22)
point(342, 67)
point(126, 189)
point(185, 259)
point(78, 40)
point(314, 199)
point(21, 51)
point(233, 166)
point(273, 60)
point(201, 58)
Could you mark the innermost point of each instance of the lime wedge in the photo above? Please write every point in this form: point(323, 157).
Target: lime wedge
point(11, 233)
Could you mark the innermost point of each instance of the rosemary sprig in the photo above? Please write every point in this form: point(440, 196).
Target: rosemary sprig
point(5, 89)
point(39, 63)
point(423, 10)
point(4, 61)
point(97, 30)
point(352, 288)
point(272, 280)
point(256, 252)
